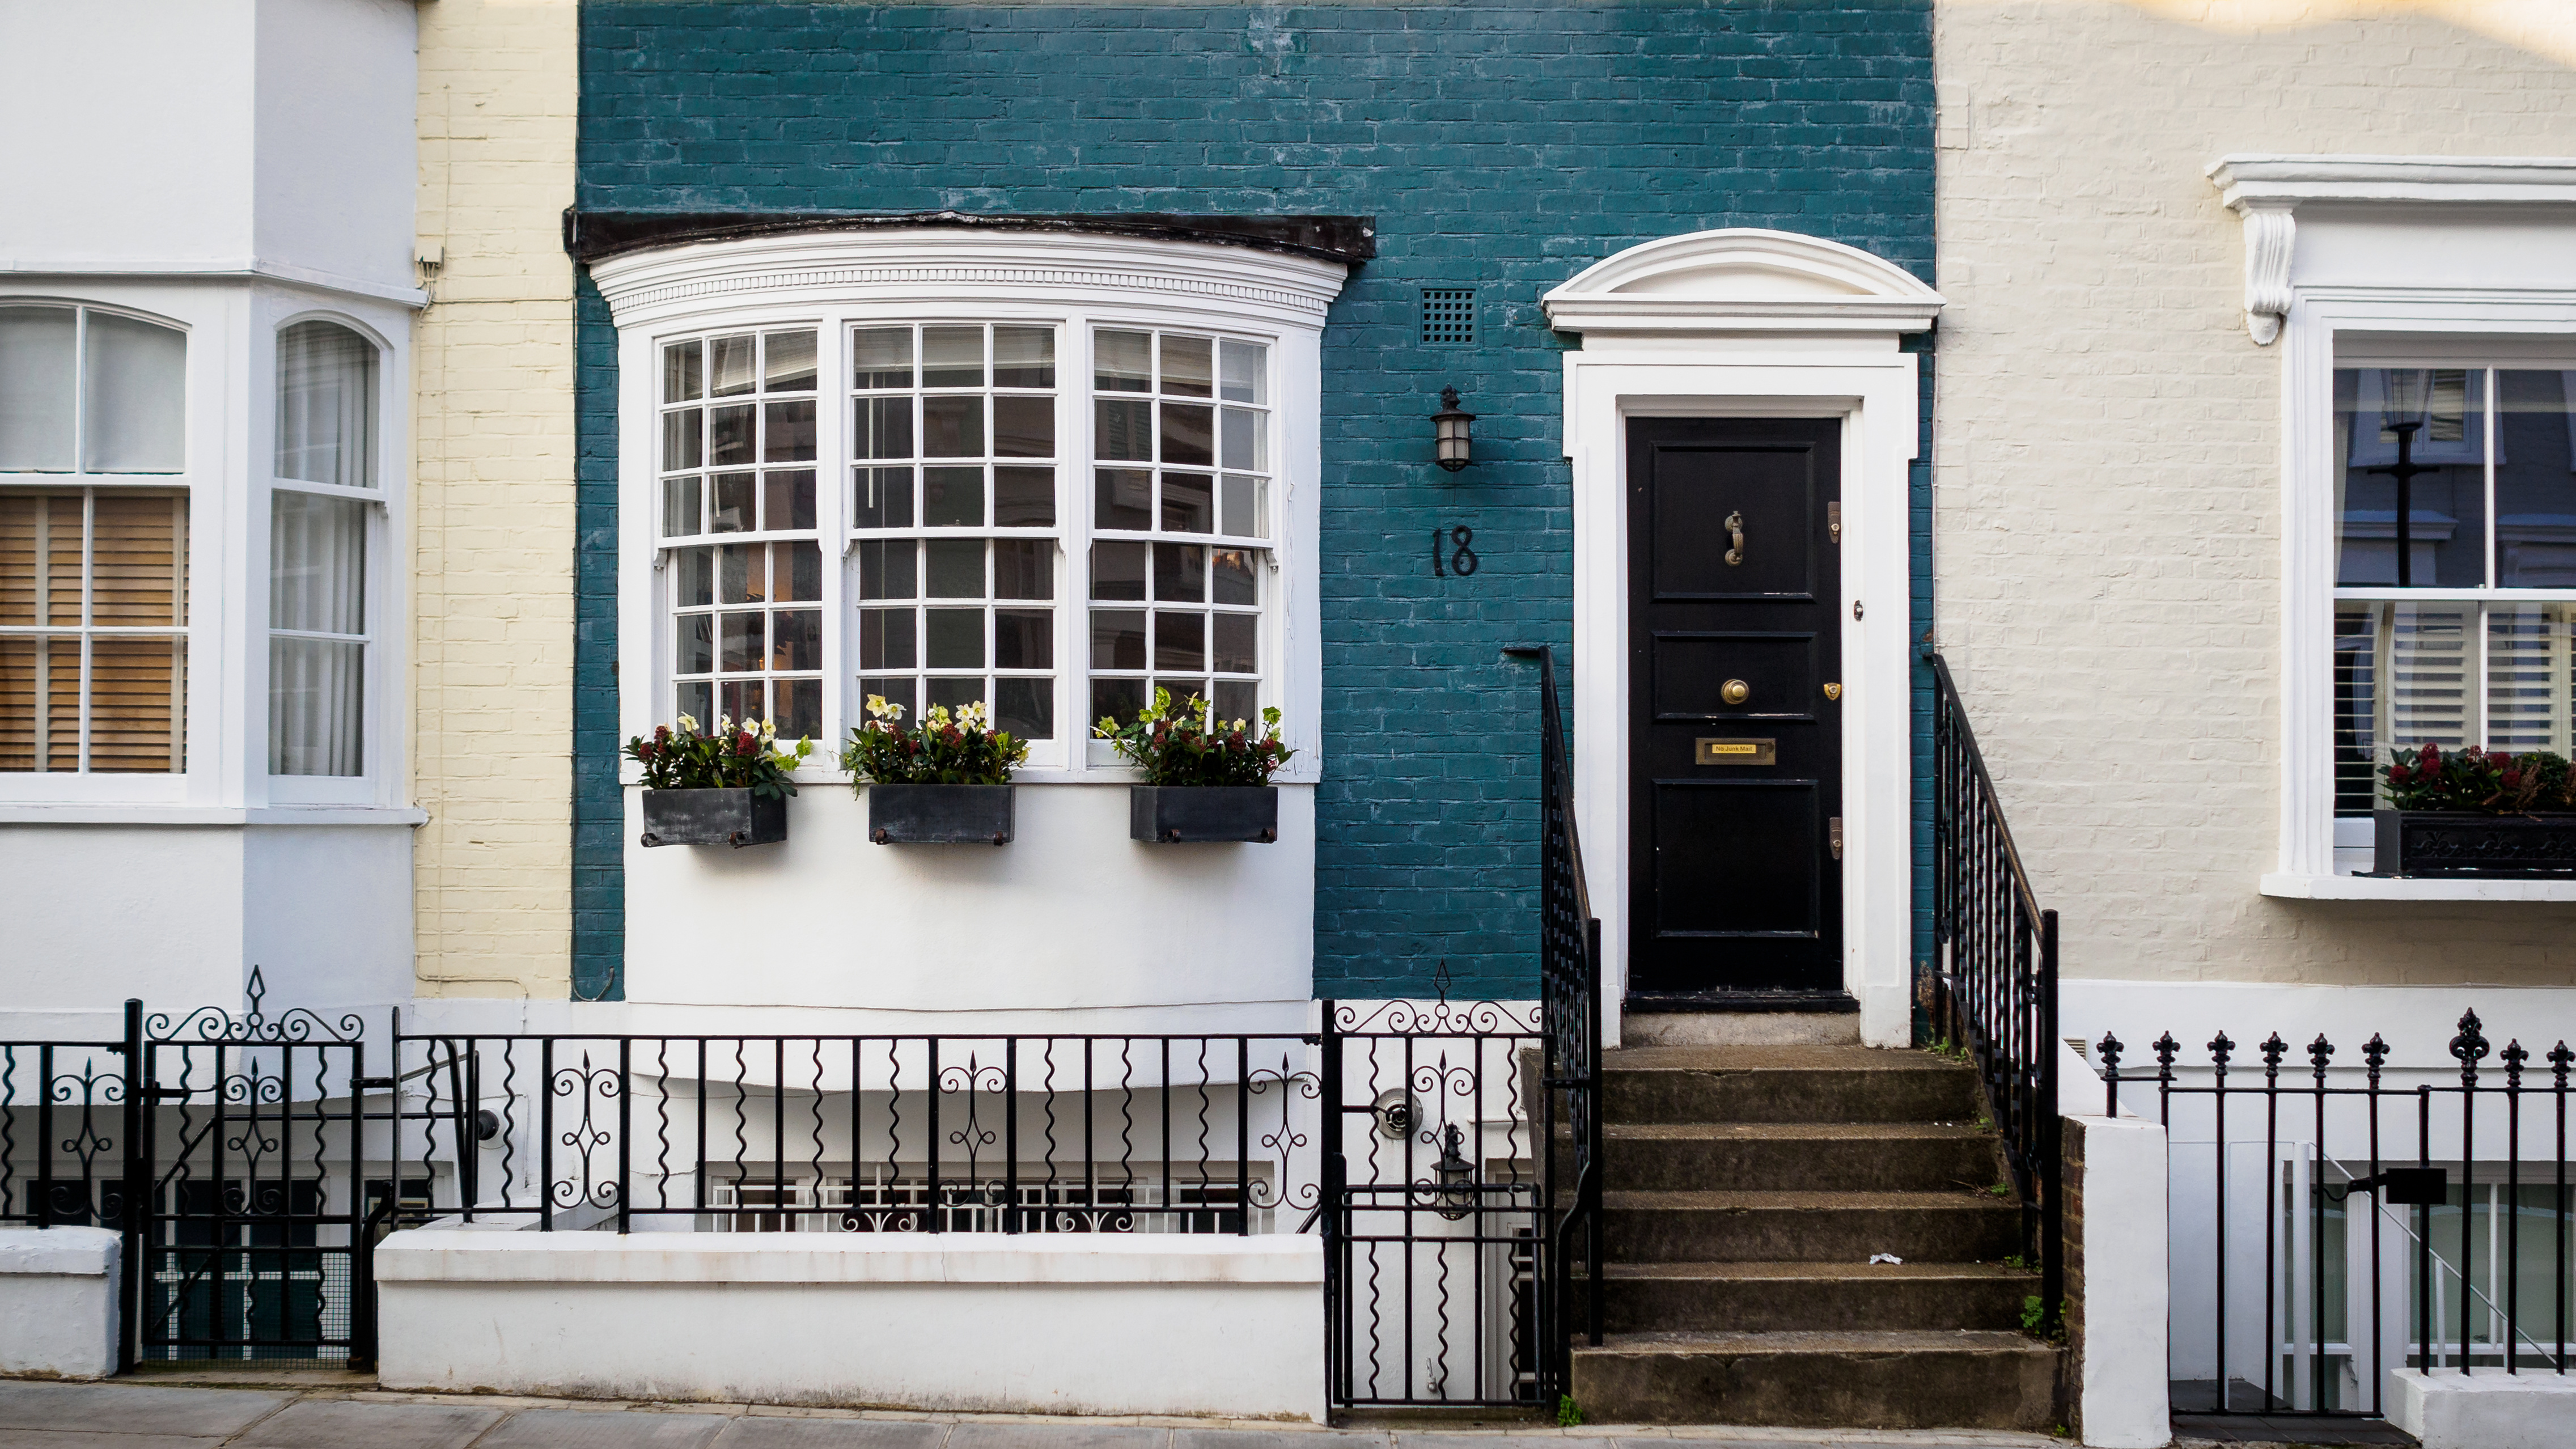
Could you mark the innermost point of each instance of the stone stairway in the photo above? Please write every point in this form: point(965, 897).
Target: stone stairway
point(1746, 1189)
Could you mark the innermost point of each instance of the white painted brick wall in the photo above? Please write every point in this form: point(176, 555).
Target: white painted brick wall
point(2107, 508)
point(493, 577)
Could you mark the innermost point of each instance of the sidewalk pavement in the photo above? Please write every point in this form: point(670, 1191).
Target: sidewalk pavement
point(127, 1414)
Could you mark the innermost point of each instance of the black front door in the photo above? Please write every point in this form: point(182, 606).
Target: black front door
point(1735, 724)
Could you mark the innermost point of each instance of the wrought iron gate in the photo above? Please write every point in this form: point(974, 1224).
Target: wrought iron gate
point(248, 1201)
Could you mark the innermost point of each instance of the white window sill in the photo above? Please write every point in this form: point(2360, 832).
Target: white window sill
point(2366, 888)
point(403, 815)
point(811, 778)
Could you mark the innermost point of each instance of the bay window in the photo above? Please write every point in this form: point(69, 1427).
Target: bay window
point(2455, 572)
point(322, 501)
point(93, 546)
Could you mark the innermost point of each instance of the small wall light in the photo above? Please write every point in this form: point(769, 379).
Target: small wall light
point(1457, 1196)
point(1450, 428)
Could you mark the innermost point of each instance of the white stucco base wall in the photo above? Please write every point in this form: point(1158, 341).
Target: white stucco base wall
point(964, 1321)
point(58, 1302)
point(2447, 1409)
point(2123, 1397)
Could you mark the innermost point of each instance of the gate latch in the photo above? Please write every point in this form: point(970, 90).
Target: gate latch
point(1835, 828)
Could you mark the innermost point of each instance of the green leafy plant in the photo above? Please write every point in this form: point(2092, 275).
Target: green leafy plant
point(2478, 781)
point(959, 748)
point(2032, 1317)
point(729, 757)
point(2001, 1189)
point(1568, 1413)
point(2016, 1260)
point(1189, 747)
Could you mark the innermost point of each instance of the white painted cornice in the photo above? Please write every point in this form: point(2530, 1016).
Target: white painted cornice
point(2267, 190)
point(1742, 279)
point(946, 264)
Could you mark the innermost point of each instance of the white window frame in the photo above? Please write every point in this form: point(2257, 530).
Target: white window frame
point(1074, 282)
point(2380, 261)
point(382, 596)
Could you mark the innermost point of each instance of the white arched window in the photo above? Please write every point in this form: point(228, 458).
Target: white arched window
point(93, 542)
point(321, 506)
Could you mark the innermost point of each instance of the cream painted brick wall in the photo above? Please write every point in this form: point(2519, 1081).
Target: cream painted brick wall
point(493, 579)
point(2107, 515)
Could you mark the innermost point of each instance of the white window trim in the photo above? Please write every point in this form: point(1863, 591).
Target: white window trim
point(1752, 323)
point(2367, 255)
point(1076, 282)
point(232, 324)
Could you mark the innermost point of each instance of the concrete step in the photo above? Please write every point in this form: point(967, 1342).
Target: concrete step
point(1776, 1297)
point(1858, 1380)
point(1786, 1084)
point(1799, 1156)
point(1808, 1227)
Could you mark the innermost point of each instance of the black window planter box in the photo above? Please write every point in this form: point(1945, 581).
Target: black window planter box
point(2437, 843)
point(939, 814)
point(713, 817)
point(1191, 814)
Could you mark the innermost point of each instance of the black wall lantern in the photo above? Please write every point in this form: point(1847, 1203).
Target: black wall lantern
point(1457, 1196)
point(1450, 430)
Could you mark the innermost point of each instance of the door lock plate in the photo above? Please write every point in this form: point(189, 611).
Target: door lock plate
point(1711, 751)
point(1835, 826)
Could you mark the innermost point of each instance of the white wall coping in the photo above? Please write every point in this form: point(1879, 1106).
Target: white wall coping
point(2264, 177)
point(431, 1255)
point(2293, 885)
point(58, 1252)
point(2488, 1409)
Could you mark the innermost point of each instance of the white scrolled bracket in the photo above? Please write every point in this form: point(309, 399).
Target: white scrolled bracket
point(2271, 233)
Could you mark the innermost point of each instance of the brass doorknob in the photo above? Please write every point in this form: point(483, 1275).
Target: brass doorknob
point(1734, 691)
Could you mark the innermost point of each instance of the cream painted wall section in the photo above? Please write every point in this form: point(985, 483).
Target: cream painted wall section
point(2107, 462)
point(492, 681)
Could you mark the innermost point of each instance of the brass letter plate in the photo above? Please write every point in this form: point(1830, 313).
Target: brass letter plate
point(1737, 752)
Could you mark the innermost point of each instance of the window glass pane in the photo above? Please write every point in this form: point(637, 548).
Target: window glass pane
point(1188, 434)
point(36, 388)
point(885, 498)
point(1235, 649)
point(730, 365)
point(697, 701)
point(138, 707)
point(886, 568)
point(1025, 708)
point(18, 563)
point(1023, 639)
point(952, 497)
point(952, 357)
point(797, 571)
point(1180, 572)
point(679, 507)
point(1232, 569)
point(1023, 427)
point(729, 435)
point(1118, 570)
point(2419, 433)
point(1122, 430)
point(741, 574)
point(2421, 667)
point(953, 568)
point(684, 372)
point(1245, 372)
point(1189, 503)
point(1122, 361)
point(955, 693)
point(787, 435)
point(1117, 699)
point(2528, 678)
point(1122, 498)
point(796, 708)
point(1118, 639)
point(1241, 512)
point(1180, 640)
point(326, 405)
point(796, 639)
point(1183, 691)
point(317, 561)
point(886, 639)
point(883, 357)
point(1237, 701)
point(734, 499)
point(695, 577)
point(791, 361)
point(2357, 754)
point(953, 638)
point(134, 391)
point(680, 433)
point(1241, 446)
point(316, 695)
point(2535, 486)
point(60, 568)
point(1023, 357)
point(952, 427)
point(1024, 497)
point(897, 691)
point(1187, 369)
point(787, 500)
point(696, 653)
point(136, 557)
point(1024, 568)
point(738, 640)
point(883, 428)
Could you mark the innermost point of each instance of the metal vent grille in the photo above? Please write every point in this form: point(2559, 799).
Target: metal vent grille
point(1448, 317)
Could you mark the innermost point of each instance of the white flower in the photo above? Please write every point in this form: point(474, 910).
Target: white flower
point(724, 724)
point(688, 725)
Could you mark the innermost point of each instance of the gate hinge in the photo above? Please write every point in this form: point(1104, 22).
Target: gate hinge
point(1835, 827)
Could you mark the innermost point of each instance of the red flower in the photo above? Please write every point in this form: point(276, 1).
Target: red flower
point(2399, 774)
point(661, 734)
point(2431, 755)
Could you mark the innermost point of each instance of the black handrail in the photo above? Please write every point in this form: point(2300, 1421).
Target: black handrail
point(1997, 979)
point(1570, 1013)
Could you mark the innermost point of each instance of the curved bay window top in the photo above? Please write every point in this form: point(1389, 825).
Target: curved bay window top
point(93, 542)
point(1002, 471)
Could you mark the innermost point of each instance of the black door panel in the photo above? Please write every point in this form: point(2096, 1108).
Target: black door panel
point(1735, 887)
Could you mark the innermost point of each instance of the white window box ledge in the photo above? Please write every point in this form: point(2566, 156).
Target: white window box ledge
point(403, 815)
point(2293, 886)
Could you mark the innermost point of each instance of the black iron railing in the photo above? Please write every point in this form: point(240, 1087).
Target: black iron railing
point(1996, 979)
point(2335, 1222)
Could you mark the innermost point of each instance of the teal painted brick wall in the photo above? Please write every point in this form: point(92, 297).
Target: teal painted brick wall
point(1501, 144)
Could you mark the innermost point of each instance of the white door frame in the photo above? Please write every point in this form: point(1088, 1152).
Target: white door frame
point(1751, 323)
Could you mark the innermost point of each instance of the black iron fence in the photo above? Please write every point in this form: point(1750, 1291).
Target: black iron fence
point(2334, 1221)
point(1995, 979)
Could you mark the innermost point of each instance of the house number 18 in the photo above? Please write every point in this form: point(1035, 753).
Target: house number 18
point(1454, 542)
